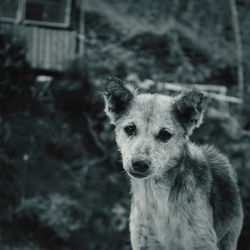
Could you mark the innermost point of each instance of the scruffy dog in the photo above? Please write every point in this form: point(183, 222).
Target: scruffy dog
point(184, 196)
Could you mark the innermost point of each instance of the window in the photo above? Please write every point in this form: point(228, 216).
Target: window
point(40, 12)
point(9, 10)
point(48, 12)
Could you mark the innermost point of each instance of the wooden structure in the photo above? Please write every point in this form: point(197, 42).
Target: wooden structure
point(47, 27)
point(217, 99)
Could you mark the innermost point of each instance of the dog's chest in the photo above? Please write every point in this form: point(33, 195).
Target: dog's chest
point(166, 223)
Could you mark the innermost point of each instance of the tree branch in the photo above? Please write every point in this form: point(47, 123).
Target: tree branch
point(238, 43)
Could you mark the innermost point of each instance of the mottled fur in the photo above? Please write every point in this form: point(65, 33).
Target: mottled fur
point(188, 198)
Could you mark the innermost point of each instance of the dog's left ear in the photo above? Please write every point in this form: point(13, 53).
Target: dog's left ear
point(118, 97)
point(189, 109)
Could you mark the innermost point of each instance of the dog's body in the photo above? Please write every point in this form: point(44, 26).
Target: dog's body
point(184, 197)
point(194, 206)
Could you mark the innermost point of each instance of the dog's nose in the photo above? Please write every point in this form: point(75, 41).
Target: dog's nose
point(141, 165)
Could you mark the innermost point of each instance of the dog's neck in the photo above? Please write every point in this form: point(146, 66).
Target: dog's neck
point(172, 185)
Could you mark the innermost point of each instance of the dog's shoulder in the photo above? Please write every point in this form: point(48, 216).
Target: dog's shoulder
point(223, 176)
point(218, 163)
point(224, 194)
point(209, 167)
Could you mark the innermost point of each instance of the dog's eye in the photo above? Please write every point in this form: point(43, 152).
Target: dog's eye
point(163, 135)
point(130, 130)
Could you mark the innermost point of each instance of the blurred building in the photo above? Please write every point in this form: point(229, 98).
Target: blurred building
point(52, 30)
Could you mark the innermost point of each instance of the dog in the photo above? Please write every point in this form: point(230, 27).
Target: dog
point(184, 196)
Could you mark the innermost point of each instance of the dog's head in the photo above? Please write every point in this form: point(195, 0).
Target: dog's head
point(151, 129)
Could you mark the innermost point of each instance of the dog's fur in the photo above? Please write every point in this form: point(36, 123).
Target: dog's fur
point(188, 199)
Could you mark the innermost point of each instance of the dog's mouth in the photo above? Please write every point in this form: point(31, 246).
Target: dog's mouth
point(138, 175)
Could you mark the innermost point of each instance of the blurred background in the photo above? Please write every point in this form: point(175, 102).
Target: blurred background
point(61, 180)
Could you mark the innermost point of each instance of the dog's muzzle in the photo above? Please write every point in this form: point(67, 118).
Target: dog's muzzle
point(140, 168)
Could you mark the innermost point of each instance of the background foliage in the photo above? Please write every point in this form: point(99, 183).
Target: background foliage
point(61, 180)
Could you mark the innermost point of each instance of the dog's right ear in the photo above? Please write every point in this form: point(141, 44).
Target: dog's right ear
point(118, 97)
